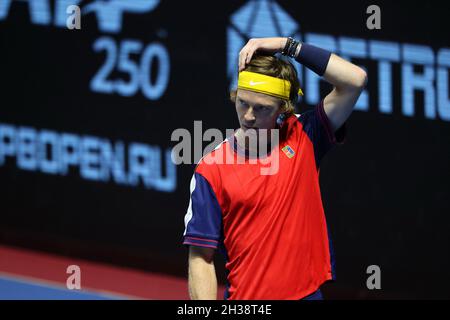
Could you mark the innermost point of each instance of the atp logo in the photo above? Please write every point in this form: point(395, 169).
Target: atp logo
point(110, 12)
point(256, 19)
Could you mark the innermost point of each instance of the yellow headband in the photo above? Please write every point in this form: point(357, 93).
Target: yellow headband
point(265, 84)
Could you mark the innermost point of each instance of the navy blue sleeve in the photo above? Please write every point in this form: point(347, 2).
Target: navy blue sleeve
point(203, 220)
point(318, 128)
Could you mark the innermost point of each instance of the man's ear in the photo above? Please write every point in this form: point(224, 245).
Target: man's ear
point(283, 106)
point(280, 119)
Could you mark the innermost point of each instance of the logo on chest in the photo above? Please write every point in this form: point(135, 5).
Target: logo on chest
point(288, 151)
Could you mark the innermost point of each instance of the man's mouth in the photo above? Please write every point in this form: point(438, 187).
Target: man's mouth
point(248, 127)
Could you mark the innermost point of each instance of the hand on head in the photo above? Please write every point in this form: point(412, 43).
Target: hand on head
point(268, 45)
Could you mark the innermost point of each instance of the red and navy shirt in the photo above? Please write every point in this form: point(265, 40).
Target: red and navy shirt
point(271, 228)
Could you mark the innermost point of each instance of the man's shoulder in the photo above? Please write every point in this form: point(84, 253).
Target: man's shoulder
point(214, 158)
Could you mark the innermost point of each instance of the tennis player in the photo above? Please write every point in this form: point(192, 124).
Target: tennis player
point(271, 228)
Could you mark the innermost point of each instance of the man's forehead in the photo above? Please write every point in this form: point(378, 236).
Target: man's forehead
point(257, 97)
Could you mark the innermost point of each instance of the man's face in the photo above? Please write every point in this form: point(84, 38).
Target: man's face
point(256, 110)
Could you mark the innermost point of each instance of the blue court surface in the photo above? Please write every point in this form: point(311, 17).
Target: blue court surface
point(34, 275)
point(20, 289)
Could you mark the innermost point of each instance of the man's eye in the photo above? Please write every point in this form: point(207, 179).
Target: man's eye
point(243, 103)
point(261, 108)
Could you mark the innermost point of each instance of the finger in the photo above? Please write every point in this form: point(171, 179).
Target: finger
point(242, 60)
point(243, 55)
point(249, 54)
point(249, 57)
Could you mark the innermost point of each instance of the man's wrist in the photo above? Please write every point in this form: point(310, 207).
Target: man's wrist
point(291, 47)
point(283, 42)
point(297, 51)
point(314, 58)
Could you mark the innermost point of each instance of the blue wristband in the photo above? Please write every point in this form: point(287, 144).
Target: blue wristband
point(314, 58)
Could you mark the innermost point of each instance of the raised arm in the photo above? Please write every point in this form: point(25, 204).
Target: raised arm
point(202, 274)
point(348, 81)
point(347, 78)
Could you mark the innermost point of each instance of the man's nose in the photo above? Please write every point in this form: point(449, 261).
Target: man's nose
point(249, 116)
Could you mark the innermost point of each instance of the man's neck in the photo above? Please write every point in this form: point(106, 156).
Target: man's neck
point(250, 143)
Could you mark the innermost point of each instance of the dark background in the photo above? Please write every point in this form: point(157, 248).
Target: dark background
point(386, 191)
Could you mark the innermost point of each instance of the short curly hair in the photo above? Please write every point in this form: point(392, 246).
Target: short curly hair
point(279, 68)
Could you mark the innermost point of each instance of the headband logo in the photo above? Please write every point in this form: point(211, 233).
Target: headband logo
point(253, 83)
